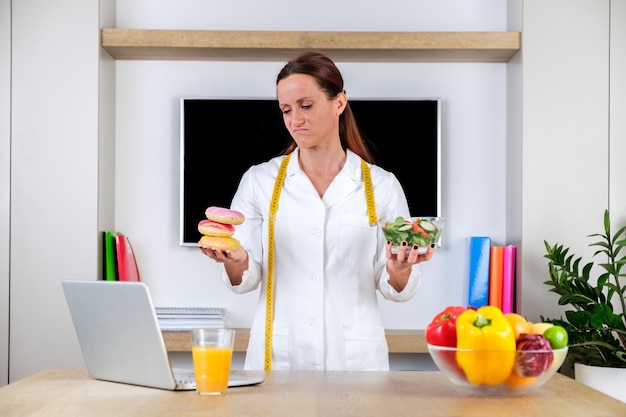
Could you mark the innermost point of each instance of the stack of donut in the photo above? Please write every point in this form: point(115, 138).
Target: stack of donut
point(219, 228)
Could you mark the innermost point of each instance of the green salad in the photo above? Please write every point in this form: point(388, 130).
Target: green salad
point(420, 231)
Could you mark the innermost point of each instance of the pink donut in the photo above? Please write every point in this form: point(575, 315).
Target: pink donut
point(224, 215)
point(221, 243)
point(211, 228)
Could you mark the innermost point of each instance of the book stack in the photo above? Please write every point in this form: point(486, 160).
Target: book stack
point(491, 274)
point(175, 319)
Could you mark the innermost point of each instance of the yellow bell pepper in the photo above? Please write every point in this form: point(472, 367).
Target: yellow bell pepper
point(486, 343)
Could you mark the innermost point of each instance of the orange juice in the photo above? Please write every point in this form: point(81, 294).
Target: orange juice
point(211, 366)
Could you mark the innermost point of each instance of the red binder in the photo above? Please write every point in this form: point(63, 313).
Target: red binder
point(126, 263)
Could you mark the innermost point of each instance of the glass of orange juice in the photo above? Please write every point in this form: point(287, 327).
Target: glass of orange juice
point(212, 351)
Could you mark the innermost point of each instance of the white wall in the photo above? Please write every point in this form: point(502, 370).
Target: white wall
point(514, 123)
point(617, 122)
point(55, 115)
point(474, 132)
point(5, 182)
point(566, 139)
point(366, 15)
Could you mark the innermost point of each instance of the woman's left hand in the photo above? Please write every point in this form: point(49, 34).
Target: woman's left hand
point(399, 266)
point(402, 259)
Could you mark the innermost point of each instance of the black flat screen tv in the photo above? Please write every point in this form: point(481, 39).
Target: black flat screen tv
point(220, 138)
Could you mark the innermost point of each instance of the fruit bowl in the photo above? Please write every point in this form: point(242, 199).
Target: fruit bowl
point(482, 372)
point(420, 231)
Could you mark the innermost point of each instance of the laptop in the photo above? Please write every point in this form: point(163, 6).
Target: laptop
point(120, 338)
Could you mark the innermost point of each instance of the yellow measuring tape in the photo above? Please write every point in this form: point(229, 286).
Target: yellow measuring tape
point(369, 194)
point(269, 291)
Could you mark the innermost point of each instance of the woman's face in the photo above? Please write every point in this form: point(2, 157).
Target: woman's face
point(310, 116)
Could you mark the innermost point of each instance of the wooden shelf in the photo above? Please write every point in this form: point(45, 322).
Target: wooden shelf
point(399, 341)
point(149, 44)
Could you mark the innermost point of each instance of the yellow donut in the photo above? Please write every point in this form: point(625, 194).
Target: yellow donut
point(221, 243)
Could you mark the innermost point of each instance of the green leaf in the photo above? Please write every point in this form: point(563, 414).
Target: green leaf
point(597, 331)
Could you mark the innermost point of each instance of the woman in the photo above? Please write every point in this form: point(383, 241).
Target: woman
point(328, 259)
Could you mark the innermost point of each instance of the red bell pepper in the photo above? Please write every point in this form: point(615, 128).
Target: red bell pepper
point(442, 329)
point(442, 332)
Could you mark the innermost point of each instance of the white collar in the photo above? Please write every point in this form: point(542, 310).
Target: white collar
point(352, 167)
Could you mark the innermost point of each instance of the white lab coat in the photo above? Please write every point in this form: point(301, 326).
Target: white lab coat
point(329, 262)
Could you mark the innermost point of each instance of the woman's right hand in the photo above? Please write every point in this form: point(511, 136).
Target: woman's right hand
point(235, 262)
point(238, 256)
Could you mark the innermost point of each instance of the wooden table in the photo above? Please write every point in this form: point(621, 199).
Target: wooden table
point(399, 341)
point(70, 392)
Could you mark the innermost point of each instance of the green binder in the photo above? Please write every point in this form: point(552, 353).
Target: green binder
point(110, 257)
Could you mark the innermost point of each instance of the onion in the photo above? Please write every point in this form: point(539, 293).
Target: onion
point(530, 362)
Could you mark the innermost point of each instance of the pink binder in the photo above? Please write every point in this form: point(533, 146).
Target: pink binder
point(508, 279)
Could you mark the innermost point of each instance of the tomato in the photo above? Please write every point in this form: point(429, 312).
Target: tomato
point(557, 336)
point(518, 323)
point(418, 228)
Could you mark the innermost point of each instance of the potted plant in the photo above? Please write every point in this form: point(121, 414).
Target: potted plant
point(595, 319)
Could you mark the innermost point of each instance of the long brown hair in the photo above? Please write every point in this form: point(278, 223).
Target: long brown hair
point(329, 79)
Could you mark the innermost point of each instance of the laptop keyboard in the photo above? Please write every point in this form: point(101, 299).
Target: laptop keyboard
point(185, 381)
